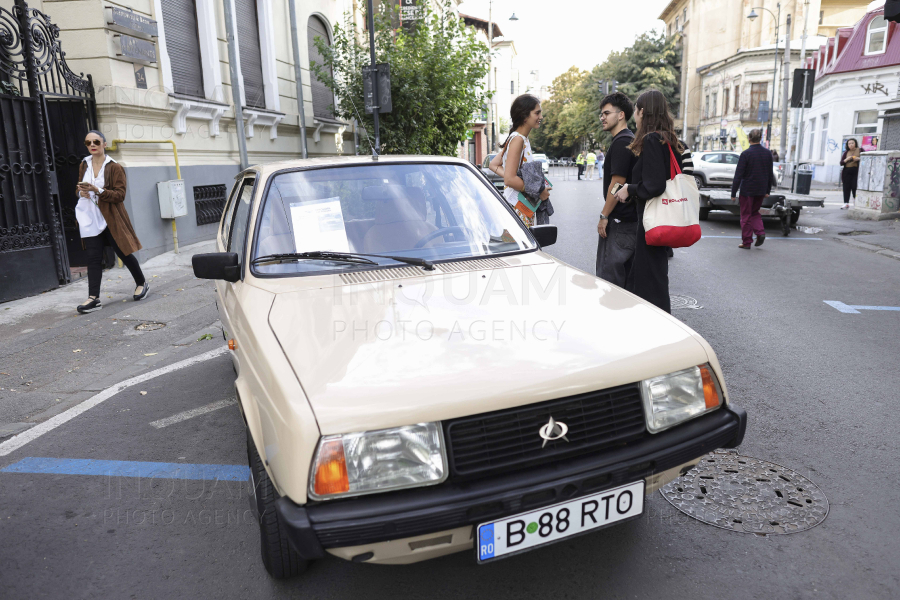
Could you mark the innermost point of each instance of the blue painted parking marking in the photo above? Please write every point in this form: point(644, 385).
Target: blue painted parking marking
point(486, 541)
point(854, 309)
point(737, 237)
point(125, 468)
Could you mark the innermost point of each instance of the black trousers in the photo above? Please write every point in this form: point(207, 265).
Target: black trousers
point(649, 268)
point(94, 247)
point(848, 178)
point(580, 171)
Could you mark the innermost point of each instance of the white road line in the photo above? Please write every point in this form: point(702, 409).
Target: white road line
point(194, 412)
point(16, 442)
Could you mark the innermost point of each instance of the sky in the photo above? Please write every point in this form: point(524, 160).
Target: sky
point(553, 35)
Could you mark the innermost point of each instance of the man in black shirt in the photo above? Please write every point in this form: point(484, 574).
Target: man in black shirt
point(754, 178)
point(618, 220)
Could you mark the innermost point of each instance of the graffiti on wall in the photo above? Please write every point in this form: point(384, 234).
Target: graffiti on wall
point(874, 88)
point(892, 183)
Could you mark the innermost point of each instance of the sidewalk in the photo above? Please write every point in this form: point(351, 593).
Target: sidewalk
point(53, 358)
point(882, 237)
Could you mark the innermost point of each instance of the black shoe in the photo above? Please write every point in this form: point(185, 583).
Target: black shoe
point(759, 240)
point(146, 288)
point(91, 305)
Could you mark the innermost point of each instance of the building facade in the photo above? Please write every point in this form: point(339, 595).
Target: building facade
point(857, 72)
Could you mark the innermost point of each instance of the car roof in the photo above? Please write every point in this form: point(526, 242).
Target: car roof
point(267, 169)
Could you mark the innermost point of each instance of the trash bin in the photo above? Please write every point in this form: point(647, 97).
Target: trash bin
point(803, 179)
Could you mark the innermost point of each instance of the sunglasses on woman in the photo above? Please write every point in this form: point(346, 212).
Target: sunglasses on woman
point(90, 143)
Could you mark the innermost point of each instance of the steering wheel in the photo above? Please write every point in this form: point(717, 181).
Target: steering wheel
point(440, 233)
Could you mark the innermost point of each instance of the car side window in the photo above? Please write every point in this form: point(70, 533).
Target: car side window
point(731, 159)
point(710, 158)
point(228, 213)
point(241, 219)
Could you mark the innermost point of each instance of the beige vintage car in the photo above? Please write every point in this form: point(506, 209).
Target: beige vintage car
point(418, 378)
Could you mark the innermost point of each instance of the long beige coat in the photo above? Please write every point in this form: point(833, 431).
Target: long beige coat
point(112, 207)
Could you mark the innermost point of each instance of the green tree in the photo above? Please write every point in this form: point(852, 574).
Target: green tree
point(562, 127)
point(437, 69)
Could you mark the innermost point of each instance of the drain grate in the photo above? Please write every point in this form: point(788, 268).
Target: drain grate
point(855, 232)
point(149, 326)
point(680, 302)
point(747, 495)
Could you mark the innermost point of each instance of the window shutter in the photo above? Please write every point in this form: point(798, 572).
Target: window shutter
point(248, 46)
point(183, 46)
point(322, 97)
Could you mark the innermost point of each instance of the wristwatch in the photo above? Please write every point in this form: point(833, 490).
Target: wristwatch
point(603, 217)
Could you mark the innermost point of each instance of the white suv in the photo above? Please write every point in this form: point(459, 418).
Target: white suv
point(717, 167)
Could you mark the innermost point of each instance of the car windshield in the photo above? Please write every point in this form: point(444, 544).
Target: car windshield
point(430, 211)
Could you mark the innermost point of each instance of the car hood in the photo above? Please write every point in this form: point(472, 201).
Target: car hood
point(400, 351)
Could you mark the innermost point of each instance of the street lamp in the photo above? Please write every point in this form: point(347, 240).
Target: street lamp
point(752, 16)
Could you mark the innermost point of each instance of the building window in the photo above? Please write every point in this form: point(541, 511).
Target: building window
point(737, 97)
point(183, 46)
point(684, 16)
point(823, 136)
point(725, 102)
point(715, 98)
point(322, 97)
point(676, 24)
point(876, 36)
point(865, 121)
point(821, 16)
point(758, 93)
point(812, 138)
point(706, 109)
point(512, 88)
point(247, 21)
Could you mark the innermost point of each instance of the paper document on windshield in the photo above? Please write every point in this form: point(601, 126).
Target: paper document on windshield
point(319, 225)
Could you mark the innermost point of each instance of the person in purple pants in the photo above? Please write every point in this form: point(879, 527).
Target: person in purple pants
point(755, 178)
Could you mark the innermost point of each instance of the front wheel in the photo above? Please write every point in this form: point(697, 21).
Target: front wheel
point(699, 181)
point(280, 560)
point(795, 216)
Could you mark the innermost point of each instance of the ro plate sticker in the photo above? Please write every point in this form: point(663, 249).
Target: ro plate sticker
point(486, 541)
point(319, 225)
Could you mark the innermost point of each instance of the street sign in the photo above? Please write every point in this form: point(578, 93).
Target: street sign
point(137, 50)
point(797, 89)
point(383, 98)
point(762, 113)
point(411, 13)
point(130, 22)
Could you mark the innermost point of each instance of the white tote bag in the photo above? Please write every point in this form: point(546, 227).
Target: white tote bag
point(673, 218)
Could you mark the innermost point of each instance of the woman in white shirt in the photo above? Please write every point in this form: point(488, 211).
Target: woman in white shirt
point(103, 220)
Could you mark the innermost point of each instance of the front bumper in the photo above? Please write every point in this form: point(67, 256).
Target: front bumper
point(408, 513)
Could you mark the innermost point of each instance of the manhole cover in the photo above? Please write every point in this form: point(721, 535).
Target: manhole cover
point(679, 302)
point(149, 326)
point(747, 495)
point(860, 232)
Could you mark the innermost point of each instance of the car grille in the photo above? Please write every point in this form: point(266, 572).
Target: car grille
point(497, 441)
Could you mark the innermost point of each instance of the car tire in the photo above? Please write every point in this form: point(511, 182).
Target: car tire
point(704, 214)
point(279, 558)
point(795, 216)
point(699, 180)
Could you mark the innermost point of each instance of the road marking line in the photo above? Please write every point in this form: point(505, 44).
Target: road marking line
point(14, 443)
point(128, 468)
point(737, 237)
point(854, 310)
point(195, 412)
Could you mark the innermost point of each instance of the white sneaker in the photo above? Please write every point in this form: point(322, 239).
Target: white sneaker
point(845, 207)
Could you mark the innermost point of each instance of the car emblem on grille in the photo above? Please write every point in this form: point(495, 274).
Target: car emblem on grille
point(553, 430)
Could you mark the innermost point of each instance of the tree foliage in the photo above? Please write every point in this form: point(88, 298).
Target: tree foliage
point(437, 68)
point(572, 114)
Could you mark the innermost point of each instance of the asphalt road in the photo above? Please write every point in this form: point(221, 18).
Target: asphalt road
point(819, 386)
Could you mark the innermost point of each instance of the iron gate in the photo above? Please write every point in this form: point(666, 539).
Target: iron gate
point(46, 110)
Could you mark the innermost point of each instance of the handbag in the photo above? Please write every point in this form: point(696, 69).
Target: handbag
point(673, 218)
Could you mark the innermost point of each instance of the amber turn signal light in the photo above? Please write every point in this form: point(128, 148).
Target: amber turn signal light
point(331, 470)
point(710, 390)
point(232, 345)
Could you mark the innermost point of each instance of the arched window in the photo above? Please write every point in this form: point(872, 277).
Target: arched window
point(876, 36)
point(322, 97)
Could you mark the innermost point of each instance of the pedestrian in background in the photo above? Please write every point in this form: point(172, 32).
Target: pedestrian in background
point(590, 160)
point(618, 220)
point(850, 172)
point(652, 143)
point(580, 163)
point(774, 155)
point(103, 220)
point(755, 178)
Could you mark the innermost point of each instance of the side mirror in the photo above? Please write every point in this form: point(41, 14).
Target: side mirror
point(544, 234)
point(217, 265)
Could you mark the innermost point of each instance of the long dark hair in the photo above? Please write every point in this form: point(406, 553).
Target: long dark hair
point(519, 112)
point(655, 118)
point(855, 144)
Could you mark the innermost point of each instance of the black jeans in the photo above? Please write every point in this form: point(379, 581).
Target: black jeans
point(848, 177)
point(580, 171)
point(615, 253)
point(94, 247)
point(650, 268)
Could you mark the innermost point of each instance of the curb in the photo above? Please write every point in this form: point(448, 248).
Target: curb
point(871, 248)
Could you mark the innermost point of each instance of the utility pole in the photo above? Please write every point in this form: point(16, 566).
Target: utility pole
point(774, 76)
point(298, 75)
point(798, 128)
point(785, 102)
point(490, 132)
point(371, 18)
point(231, 35)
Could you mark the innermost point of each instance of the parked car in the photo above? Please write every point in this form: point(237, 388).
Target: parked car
point(717, 168)
point(496, 180)
point(401, 405)
point(545, 162)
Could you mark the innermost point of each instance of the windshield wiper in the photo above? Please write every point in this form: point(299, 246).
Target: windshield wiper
point(350, 257)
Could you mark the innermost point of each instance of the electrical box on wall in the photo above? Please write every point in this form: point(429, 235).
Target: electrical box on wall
point(172, 201)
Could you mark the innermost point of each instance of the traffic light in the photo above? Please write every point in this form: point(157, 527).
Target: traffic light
point(614, 85)
point(892, 10)
point(602, 86)
point(609, 86)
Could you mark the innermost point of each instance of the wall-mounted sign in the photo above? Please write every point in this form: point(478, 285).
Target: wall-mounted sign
point(410, 12)
point(377, 94)
point(126, 21)
point(140, 77)
point(137, 50)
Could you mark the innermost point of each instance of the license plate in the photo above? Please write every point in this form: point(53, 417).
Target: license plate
point(552, 523)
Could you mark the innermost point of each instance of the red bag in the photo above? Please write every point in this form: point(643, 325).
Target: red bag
point(673, 218)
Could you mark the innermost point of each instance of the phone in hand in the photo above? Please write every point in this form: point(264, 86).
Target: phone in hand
point(616, 187)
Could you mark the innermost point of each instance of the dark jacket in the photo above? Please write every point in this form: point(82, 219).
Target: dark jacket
point(651, 171)
point(754, 174)
point(112, 207)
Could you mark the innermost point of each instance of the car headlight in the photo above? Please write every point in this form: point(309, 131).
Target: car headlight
point(378, 461)
point(677, 397)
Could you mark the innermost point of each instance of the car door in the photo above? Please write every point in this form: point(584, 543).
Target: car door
point(709, 166)
point(729, 164)
point(235, 237)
